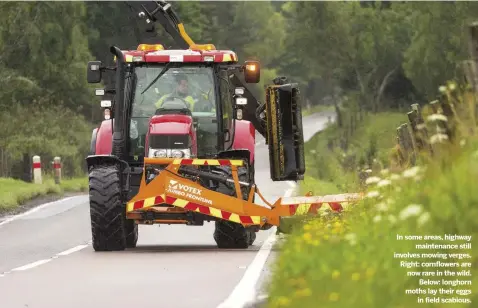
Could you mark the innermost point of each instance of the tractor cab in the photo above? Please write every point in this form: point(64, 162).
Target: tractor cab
point(181, 103)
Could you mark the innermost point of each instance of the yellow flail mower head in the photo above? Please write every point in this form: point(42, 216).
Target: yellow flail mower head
point(171, 187)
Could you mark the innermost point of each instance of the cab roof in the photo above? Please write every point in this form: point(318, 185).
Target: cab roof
point(180, 55)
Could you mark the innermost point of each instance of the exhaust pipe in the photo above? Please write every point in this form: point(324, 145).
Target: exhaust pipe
point(120, 125)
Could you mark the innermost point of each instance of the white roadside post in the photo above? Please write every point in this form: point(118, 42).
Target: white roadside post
point(37, 170)
point(57, 169)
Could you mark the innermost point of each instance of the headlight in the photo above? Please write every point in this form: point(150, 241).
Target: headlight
point(185, 153)
point(163, 153)
point(177, 154)
point(155, 153)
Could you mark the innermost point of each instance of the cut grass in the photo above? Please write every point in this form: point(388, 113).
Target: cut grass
point(15, 192)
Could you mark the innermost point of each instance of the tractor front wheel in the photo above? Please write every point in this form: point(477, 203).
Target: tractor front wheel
point(106, 210)
point(228, 234)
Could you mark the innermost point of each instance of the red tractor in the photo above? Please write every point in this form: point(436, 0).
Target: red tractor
point(189, 108)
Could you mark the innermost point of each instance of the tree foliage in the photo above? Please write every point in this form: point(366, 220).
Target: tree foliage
point(382, 53)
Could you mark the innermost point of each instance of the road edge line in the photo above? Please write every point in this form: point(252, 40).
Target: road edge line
point(33, 210)
point(245, 291)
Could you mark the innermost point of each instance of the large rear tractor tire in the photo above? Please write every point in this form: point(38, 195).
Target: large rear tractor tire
point(131, 234)
point(228, 234)
point(107, 212)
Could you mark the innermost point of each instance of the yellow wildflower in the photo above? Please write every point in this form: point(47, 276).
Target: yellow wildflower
point(303, 292)
point(283, 301)
point(335, 274)
point(355, 276)
point(307, 236)
point(333, 297)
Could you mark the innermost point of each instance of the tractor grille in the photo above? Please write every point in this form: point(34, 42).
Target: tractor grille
point(169, 141)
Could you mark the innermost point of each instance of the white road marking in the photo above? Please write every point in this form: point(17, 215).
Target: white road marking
point(72, 250)
point(41, 262)
point(36, 209)
point(31, 265)
point(292, 184)
point(245, 291)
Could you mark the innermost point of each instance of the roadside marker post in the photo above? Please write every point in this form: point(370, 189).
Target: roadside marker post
point(37, 170)
point(57, 169)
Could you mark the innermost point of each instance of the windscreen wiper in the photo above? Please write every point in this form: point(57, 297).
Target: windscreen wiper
point(166, 67)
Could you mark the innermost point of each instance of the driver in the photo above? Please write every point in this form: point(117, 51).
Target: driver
point(181, 91)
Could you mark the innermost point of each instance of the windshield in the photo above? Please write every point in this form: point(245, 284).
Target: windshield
point(181, 86)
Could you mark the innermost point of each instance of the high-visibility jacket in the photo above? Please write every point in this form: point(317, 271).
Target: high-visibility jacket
point(188, 99)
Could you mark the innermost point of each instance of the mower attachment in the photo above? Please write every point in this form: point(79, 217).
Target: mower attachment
point(170, 192)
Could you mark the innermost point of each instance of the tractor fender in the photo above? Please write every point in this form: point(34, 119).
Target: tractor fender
point(95, 160)
point(104, 138)
point(245, 138)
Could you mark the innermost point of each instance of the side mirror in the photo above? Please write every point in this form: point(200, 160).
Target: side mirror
point(93, 74)
point(252, 71)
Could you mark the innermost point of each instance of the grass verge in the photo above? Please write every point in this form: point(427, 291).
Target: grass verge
point(373, 254)
point(15, 192)
point(334, 155)
point(347, 259)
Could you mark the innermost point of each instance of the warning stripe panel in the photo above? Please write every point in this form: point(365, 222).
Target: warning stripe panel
point(191, 206)
point(194, 207)
point(131, 206)
point(208, 162)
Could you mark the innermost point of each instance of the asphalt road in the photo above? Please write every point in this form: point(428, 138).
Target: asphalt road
point(46, 260)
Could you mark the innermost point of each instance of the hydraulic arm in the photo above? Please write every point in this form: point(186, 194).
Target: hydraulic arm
point(162, 12)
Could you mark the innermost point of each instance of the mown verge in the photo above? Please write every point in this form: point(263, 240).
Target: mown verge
point(16, 192)
point(347, 259)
